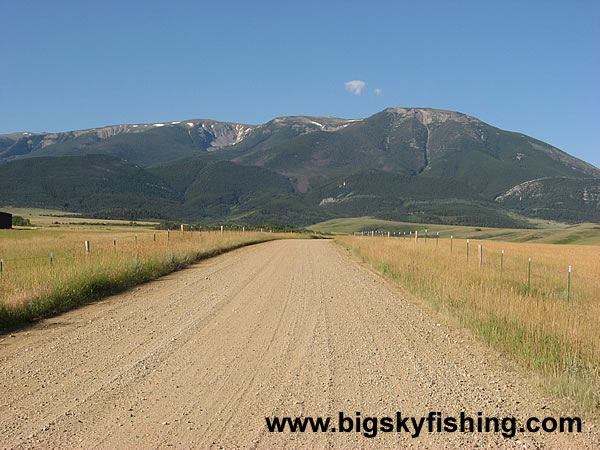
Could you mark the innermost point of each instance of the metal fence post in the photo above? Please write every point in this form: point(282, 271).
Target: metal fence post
point(569, 286)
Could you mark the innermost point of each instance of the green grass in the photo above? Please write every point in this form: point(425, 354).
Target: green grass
point(548, 233)
point(42, 217)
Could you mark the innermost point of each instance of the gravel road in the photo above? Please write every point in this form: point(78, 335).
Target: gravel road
point(199, 358)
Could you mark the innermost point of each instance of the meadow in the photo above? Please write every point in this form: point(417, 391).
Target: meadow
point(531, 317)
point(49, 270)
point(55, 218)
point(541, 231)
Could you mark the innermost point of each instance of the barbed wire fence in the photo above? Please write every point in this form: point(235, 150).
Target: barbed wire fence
point(131, 243)
point(488, 261)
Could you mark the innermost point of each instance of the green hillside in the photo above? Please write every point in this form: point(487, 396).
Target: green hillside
point(85, 184)
point(195, 190)
point(213, 190)
point(153, 147)
point(490, 160)
point(408, 164)
point(547, 233)
point(558, 198)
point(421, 142)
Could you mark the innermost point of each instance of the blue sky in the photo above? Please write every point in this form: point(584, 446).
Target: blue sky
point(531, 67)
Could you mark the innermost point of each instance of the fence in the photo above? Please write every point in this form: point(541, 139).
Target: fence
point(486, 259)
point(89, 248)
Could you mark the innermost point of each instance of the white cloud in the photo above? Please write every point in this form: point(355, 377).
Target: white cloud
point(378, 92)
point(355, 86)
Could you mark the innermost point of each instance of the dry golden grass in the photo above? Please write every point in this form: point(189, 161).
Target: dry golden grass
point(31, 286)
point(539, 327)
point(50, 217)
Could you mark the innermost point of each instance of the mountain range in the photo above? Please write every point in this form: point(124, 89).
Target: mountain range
point(413, 164)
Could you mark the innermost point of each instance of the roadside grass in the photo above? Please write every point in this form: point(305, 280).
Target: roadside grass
point(33, 287)
point(540, 327)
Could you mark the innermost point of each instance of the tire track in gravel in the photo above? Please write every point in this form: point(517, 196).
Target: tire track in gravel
point(200, 357)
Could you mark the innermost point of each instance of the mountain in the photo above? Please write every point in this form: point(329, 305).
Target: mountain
point(141, 144)
point(213, 189)
point(86, 184)
point(420, 142)
point(561, 198)
point(415, 164)
point(107, 186)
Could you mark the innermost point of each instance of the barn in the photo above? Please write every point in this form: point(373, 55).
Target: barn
point(5, 221)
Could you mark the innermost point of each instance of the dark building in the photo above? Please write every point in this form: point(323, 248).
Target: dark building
point(5, 221)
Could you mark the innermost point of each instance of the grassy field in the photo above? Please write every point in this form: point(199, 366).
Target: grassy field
point(50, 217)
point(538, 325)
point(34, 284)
point(545, 232)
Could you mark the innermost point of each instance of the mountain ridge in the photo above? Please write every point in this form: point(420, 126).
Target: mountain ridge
point(239, 131)
point(457, 156)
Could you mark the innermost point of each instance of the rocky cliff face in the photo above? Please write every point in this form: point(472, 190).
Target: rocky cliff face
point(220, 134)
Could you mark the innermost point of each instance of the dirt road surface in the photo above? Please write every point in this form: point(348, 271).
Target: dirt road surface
point(199, 358)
